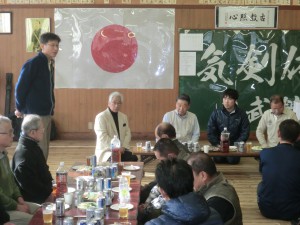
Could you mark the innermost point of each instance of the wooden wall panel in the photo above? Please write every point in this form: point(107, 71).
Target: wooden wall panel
point(75, 108)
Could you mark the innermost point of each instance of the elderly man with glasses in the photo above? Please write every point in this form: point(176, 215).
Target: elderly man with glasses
point(112, 122)
point(29, 165)
point(11, 199)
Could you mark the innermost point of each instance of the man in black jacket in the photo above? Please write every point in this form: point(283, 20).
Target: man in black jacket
point(29, 165)
point(232, 117)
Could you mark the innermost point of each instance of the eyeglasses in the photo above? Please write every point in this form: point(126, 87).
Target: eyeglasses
point(9, 133)
point(117, 103)
point(41, 129)
point(53, 45)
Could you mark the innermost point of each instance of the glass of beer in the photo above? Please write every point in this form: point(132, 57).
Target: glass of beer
point(123, 211)
point(47, 212)
point(139, 146)
point(248, 146)
point(127, 174)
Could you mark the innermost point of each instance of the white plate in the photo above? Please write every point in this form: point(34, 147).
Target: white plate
point(116, 206)
point(66, 206)
point(131, 176)
point(131, 167)
point(256, 148)
point(85, 205)
point(144, 148)
point(86, 178)
point(232, 148)
point(116, 189)
point(71, 189)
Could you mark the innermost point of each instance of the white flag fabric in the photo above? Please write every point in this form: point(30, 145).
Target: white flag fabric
point(115, 48)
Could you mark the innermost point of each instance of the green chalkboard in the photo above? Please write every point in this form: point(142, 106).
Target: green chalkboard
point(257, 63)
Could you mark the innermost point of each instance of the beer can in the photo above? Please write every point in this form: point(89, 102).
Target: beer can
point(148, 145)
point(116, 171)
point(99, 213)
point(112, 172)
point(108, 198)
point(94, 160)
point(90, 213)
point(107, 183)
point(190, 146)
point(79, 183)
point(196, 147)
point(82, 222)
point(77, 198)
point(107, 171)
point(100, 184)
point(59, 221)
point(101, 204)
point(60, 207)
point(68, 221)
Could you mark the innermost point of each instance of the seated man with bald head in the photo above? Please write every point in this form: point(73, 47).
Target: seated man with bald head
point(166, 130)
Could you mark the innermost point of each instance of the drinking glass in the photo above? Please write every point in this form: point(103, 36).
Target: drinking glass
point(139, 146)
point(123, 211)
point(127, 174)
point(47, 212)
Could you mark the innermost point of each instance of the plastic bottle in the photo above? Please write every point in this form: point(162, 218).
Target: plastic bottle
point(224, 143)
point(115, 145)
point(124, 196)
point(61, 180)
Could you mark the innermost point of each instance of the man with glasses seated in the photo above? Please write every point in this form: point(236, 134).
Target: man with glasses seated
point(29, 165)
point(270, 120)
point(20, 212)
point(112, 122)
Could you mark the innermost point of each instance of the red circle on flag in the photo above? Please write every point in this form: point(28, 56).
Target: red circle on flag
point(114, 48)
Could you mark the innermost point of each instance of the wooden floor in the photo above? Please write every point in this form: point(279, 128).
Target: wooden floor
point(244, 176)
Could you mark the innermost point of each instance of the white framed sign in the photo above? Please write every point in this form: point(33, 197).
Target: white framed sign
point(246, 17)
point(5, 23)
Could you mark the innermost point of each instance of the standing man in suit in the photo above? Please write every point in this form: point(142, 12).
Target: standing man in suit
point(112, 122)
point(35, 87)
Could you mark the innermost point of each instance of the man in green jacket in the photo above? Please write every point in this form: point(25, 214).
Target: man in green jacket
point(20, 212)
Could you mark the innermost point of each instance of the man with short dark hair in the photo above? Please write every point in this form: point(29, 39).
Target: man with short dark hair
point(232, 117)
point(279, 190)
point(217, 191)
point(150, 197)
point(270, 120)
point(183, 206)
point(35, 87)
point(185, 123)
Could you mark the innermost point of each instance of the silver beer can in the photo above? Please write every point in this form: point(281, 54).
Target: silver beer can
point(107, 183)
point(99, 213)
point(100, 184)
point(90, 213)
point(82, 222)
point(108, 198)
point(94, 160)
point(77, 198)
point(60, 207)
point(79, 183)
point(148, 146)
point(196, 147)
point(101, 204)
point(68, 221)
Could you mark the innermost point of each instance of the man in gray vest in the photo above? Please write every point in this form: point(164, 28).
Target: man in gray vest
point(219, 194)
